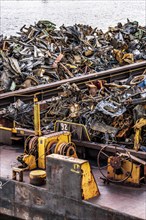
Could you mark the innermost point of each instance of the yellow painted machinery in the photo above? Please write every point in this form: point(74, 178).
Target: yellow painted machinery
point(37, 148)
point(122, 167)
point(127, 171)
point(58, 143)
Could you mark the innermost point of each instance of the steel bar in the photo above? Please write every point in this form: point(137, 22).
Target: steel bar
point(49, 90)
point(110, 148)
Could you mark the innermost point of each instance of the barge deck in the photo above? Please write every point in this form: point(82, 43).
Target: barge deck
point(116, 201)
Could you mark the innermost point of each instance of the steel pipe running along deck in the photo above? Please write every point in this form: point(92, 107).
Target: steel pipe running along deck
point(49, 90)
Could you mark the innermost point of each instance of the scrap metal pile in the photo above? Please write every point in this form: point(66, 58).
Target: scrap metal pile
point(41, 53)
point(112, 112)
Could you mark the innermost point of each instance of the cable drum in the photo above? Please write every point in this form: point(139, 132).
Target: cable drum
point(62, 148)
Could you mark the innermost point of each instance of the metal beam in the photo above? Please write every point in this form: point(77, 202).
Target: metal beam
point(44, 90)
point(110, 148)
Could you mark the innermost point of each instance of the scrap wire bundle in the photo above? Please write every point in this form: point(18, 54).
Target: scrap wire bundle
point(42, 53)
point(111, 112)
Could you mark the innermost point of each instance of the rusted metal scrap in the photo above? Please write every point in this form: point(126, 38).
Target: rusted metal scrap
point(41, 53)
point(109, 112)
point(19, 112)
